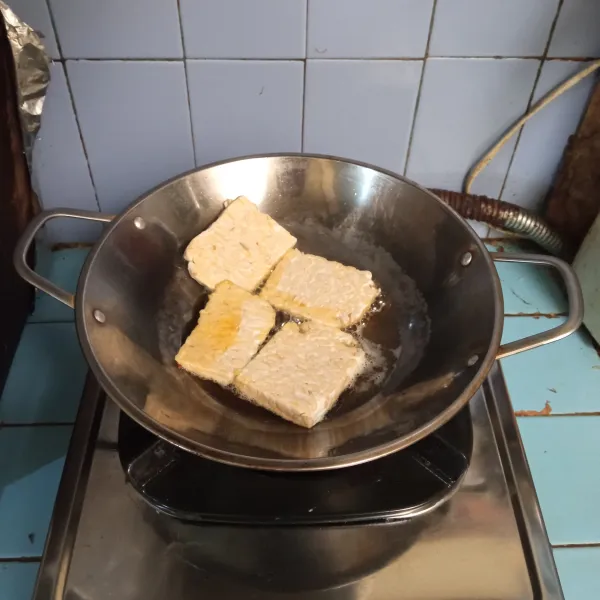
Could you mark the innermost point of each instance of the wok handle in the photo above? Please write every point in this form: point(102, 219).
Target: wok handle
point(24, 243)
point(574, 295)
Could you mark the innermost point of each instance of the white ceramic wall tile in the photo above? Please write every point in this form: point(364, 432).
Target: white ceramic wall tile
point(361, 109)
point(244, 29)
point(543, 140)
point(481, 229)
point(117, 28)
point(368, 28)
point(245, 107)
point(466, 105)
point(577, 32)
point(499, 28)
point(135, 121)
point(60, 175)
point(498, 234)
point(35, 14)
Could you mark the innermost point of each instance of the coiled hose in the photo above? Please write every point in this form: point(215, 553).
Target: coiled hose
point(506, 216)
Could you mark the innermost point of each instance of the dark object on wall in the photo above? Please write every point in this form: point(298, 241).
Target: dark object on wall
point(506, 216)
point(574, 201)
point(18, 205)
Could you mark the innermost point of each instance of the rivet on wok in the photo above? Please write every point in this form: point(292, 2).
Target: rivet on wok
point(99, 316)
point(139, 222)
point(465, 259)
point(473, 360)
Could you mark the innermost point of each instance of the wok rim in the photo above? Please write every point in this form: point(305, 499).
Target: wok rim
point(288, 464)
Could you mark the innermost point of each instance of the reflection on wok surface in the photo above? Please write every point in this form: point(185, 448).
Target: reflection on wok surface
point(293, 531)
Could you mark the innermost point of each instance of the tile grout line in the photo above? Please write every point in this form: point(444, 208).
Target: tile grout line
point(331, 59)
point(509, 57)
point(187, 83)
point(57, 322)
point(575, 546)
point(4, 425)
point(532, 95)
point(21, 559)
point(196, 59)
point(514, 57)
point(537, 315)
point(304, 77)
point(55, 32)
point(554, 415)
point(419, 90)
point(72, 98)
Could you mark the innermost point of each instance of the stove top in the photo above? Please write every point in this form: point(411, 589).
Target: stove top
point(193, 489)
point(455, 516)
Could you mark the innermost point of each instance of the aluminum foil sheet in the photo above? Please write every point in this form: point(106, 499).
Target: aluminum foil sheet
point(33, 74)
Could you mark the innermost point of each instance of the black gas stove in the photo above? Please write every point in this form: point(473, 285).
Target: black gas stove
point(454, 516)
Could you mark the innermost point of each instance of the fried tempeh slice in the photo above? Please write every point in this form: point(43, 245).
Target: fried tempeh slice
point(230, 330)
point(242, 246)
point(312, 287)
point(301, 371)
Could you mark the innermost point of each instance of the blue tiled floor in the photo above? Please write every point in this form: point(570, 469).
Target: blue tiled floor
point(563, 456)
point(562, 450)
point(62, 268)
point(17, 580)
point(31, 462)
point(43, 389)
point(47, 376)
point(527, 289)
point(566, 373)
point(578, 568)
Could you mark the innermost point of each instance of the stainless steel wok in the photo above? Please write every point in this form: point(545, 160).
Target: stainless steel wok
point(432, 342)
